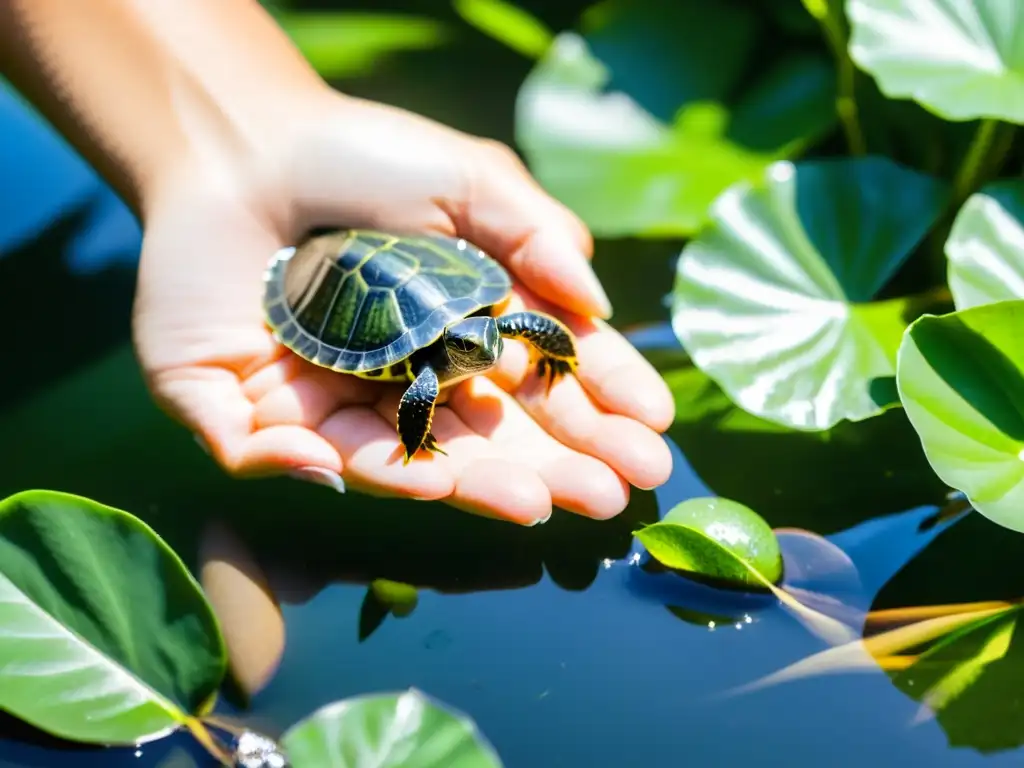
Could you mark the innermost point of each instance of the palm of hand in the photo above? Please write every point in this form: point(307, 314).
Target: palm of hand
point(513, 449)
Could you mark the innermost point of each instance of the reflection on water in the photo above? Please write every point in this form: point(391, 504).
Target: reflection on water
point(564, 652)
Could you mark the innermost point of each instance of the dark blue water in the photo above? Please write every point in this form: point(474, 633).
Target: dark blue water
point(563, 652)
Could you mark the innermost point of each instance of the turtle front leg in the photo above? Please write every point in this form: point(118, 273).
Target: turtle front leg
point(547, 336)
point(416, 412)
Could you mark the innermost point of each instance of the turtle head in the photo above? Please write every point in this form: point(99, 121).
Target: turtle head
point(473, 344)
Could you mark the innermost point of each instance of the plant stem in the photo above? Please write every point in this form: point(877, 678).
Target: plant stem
point(209, 742)
point(830, 18)
point(974, 162)
point(1001, 147)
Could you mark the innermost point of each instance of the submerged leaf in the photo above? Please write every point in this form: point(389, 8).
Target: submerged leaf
point(971, 680)
point(718, 539)
point(985, 248)
point(774, 301)
point(961, 380)
point(963, 59)
point(388, 730)
point(400, 598)
point(105, 637)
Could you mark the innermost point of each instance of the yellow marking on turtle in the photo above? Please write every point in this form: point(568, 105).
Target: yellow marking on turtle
point(400, 371)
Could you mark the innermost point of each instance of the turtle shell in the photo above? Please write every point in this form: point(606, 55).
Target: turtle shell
point(360, 300)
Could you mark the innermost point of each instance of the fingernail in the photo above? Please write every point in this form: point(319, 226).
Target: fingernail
point(539, 520)
point(593, 285)
point(320, 476)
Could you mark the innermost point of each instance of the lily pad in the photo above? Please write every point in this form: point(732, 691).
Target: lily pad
point(985, 248)
point(629, 171)
point(774, 300)
point(105, 637)
point(388, 730)
point(961, 383)
point(717, 539)
point(962, 59)
point(508, 24)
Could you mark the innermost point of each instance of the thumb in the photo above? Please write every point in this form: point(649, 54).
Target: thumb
point(211, 402)
point(541, 241)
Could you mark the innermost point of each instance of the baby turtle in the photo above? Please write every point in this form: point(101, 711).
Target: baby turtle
point(416, 308)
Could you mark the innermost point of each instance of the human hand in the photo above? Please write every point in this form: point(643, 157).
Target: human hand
point(513, 450)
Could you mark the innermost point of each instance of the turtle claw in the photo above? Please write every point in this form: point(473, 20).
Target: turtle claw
point(554, 369)
point(428, 444)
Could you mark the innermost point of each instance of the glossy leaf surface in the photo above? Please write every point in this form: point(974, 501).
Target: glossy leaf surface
point(961, 381)
point(105, 637)
point(718, 539)
point(774, 301)
point(963, 59)
point(985, 248)
point(388, 730)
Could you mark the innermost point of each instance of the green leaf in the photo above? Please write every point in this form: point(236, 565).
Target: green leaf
point(972, 680)
point(350, 44)
point(400, 598)
point(105, 637)
point(823, 481)
point(962, 59)
point(960, 380)
point(629, 172)
point(508, 24)
point(718, 539)
point(774, 300)
point(985, 248)
point(388, 730)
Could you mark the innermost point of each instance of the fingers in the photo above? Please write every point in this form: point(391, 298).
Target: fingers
point(210, 401)
point(611, 370)
point(372, 456)
point(612, 409)
point(576, 482)
point(540, 240)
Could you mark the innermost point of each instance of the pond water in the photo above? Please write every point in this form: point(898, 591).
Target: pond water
point(563, 652)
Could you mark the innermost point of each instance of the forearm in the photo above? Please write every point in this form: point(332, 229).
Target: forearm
point(144, 88)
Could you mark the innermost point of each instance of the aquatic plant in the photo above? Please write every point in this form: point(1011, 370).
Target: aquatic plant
point(845, 176)
point(106, 638)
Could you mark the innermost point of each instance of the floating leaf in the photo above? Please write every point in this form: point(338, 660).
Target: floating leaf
point(348, 44)
point(963, 59)
point(985, 248)
point(105, 637)
point(774, 300)
point(715, 538)
point(961, 383)
point(629, 172)
point(388, 730)
point(508, 24)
